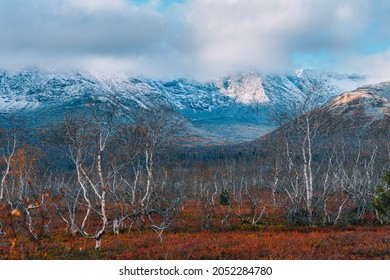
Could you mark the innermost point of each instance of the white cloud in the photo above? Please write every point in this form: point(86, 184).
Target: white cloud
point(265, 34)
point(376, 66)
point(95, 5)
point(194, 37)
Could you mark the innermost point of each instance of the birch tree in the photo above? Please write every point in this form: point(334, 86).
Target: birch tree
point(7, 151)
point(88, 137)
point(146, 195)
point(298, 136)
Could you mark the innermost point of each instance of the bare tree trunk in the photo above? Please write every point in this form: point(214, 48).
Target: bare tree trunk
point(149, 171)
point(7, 160)
point(307, 167)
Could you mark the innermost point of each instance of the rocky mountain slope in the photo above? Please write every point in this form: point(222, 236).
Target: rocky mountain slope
point(364, 112)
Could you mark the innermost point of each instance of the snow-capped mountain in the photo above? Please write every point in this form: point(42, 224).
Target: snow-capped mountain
point(232, 108)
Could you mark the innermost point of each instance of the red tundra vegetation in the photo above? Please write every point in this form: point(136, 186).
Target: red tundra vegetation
point(187, 240)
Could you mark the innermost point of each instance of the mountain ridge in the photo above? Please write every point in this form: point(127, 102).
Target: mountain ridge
point(229, 109)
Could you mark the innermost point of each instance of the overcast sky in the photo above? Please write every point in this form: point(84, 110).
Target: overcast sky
point(198, 38)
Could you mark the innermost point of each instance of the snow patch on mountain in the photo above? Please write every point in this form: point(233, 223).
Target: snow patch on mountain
point(247, 89)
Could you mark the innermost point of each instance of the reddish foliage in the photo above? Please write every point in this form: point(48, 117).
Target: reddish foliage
point(186, 240)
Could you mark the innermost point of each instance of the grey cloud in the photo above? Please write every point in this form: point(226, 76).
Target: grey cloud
point(37, 28)
point(268, 34)
point(196, 37)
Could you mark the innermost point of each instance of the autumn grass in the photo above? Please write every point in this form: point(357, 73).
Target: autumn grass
point(272, 239)
point(362, 242)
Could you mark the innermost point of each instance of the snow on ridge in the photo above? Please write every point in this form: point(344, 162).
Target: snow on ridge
point(9, 105)
point(246, 89)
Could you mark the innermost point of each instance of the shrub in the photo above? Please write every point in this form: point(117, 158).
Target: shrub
point(381, 199)
point(224, 198)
